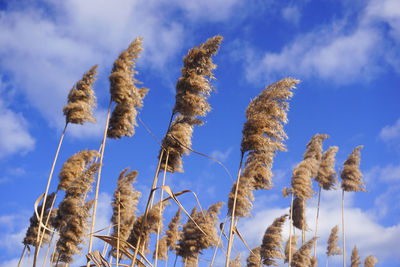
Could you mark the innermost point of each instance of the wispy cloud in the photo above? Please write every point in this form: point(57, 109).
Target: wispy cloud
point(391, 132)
point(291, 14)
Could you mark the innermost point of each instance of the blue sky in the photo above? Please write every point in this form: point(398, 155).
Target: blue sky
point(344, 52)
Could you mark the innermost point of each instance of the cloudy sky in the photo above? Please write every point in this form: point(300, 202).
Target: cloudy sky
point(344, 52)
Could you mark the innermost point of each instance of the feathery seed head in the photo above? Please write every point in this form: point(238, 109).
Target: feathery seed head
point(293, 247)
point(254, 260)
point(326, 176)
point(236, 262)
point(302, 256)
point(173, 233)
point(301, 179)
point(333, 248)
point(370, 261)
point(314, 152)
point(271, 244)
point(355, 259)
point(299, 214)
point(351, 174)
point(244, 198)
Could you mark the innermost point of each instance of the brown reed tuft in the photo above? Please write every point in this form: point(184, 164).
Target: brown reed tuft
point(333, 248)
point(193, 241)
point(314, 262)
point(271, 244)
point(82, 100)
point(299, 214)
point(162, 249)
point(351, 174)
point(254, 260)
point(301, 179)
point(244, 199)
point(124, 93)
point(314, 152)
point(128, 200)
point(173, 233)
point(32, 231)
point(293, 246)
point(74, 167)
point(177, 141)
point(370, 261)
point(327, 175)
point(152, 222)
point(355, 259)
point(302, 256)
point(193, 87)
point(236, 262)
point(263, 132)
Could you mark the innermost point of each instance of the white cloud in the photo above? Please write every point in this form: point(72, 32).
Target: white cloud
point(291, 14)
point(221, 155)
point(390, 132)
point(14, 135)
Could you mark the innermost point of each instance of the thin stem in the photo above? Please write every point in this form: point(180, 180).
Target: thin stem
point(344, 241)
point(219, 240)
point(103, 144)
point(48, 248)
point(37, 248)
point(327, 261)
point(54, 250)
point(290, 230)
point(118, 226)
point(22, 256)
point(48, 218)
point(303, 233)
point(233, 213)
point(161, 203)
point(105, 247)
point(176, 258)
point(316, 223)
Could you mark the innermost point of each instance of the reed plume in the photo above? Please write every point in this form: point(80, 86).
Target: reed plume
point(244, 199)
point(74, 167)
point(314, 152)
point(82, 100)
point(327, 175)
point(301, 180)
point(302, 257)
point(177, 141)
point(127, 96)
point(32, 231)
point(152, 221)
point(128, 200)
point(299, 214)
point(314, 262)
point(355, 259)
point(351, 174)
point(293, 245)
point(370, 261)
point(333, 248)
point(271, 244)
point(173, 234)
point(193, 241)
point(193, 87)
point(254, 259)
point(236, 262)
point(162, 249)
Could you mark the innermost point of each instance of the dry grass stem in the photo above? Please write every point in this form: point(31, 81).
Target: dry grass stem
point(302, 257)
point(129, 199)
point(254, 260)
point(124, 93)
point(333, 248)
point(271, 244)
point(327, 175)
point(351, 174)
point(82, 100)
point(370, 261)
point(355, 258)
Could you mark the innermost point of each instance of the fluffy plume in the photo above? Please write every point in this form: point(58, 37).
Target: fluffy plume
point(74, 167)
point(263, 132)
point(314, 262)
point(287, 191)
point(299, 214)
point(301, 179)
point(293, 247)
point(333, 248)
point(370, 261)
point(124, 93)
point(73, 213)
point(244, 199)
point(326, 176)
point(193, 240)
point(173, 234)
point(193, 87)
point(129, 198)
point(314, 152)
point(271, 244)
point(81, 100)
point(355, 259)
point(236, 262)
point(176, 141)
point(351, 174)
point(302, 256)
point(31, 233)
point(254, 260)
point(162, 249)
point(151, 225)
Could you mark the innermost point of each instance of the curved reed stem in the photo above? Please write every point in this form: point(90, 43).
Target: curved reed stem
point(344, 241)
point(290, 230)
point(161, 209)
point(37, 248)
point(22, 256)
point(233, 213)
point(316, 223)
point(103, 144)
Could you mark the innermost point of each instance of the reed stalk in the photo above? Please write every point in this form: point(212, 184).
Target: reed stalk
point(316, 223)
point(37, 248)
point(344, 241)
point(103, 144)
point(233, 213)
point(22, 256)
point(118, 226)
point(48, 249)
point(48, 218)
point(290, 229)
